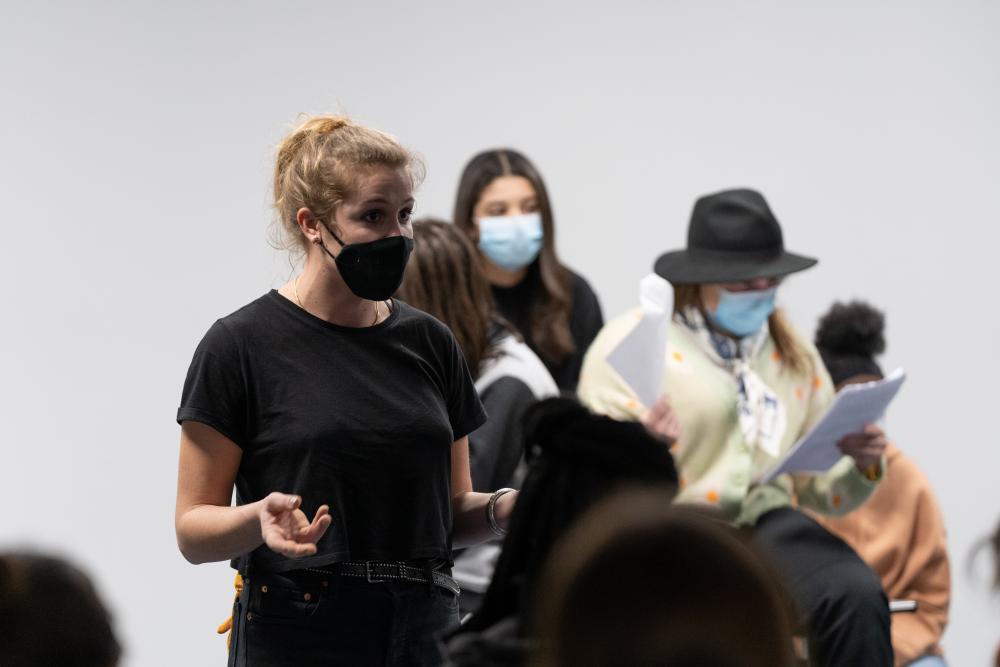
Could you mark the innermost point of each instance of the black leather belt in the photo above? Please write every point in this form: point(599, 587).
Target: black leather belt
point(376, 572)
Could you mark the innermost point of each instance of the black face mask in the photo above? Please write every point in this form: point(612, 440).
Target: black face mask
point(372, 270)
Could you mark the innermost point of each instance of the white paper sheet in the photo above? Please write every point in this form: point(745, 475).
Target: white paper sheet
point(855, 406)
point(641, 356)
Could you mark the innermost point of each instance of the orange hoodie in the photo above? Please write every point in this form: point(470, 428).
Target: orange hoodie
point(900, 534)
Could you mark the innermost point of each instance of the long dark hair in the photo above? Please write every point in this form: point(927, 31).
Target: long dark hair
point(444, 278)
point(577, 458)
point(549, 328)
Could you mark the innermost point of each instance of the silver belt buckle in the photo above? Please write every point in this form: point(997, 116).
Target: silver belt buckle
point(368, 573)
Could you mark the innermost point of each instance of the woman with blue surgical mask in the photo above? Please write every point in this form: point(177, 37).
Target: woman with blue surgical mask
point(741, 388)
point(503, 206)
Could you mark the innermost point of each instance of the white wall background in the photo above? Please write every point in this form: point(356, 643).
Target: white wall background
point(136, 151)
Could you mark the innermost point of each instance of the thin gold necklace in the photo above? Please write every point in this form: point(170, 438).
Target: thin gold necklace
point(295, 288)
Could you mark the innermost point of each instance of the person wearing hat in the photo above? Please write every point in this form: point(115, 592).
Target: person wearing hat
point(741, 386)
point(899, 532)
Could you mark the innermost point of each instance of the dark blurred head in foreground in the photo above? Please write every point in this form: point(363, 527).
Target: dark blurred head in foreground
point(51, 615)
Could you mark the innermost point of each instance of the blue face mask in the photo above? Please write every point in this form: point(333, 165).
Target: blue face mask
point(744, 313)
point(511, 241)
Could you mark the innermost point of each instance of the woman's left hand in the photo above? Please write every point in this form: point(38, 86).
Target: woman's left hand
point(866, 447)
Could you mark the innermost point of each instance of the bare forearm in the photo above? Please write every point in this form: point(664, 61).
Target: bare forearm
point(470, 525)
point(208, 533)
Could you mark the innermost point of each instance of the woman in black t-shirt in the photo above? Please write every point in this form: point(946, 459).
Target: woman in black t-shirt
point(503, 206)
point(326, 398)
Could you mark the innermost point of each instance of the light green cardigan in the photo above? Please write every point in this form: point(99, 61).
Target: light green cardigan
point(716, 466)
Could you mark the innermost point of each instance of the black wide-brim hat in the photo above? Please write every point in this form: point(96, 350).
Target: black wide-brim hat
point(733, 236)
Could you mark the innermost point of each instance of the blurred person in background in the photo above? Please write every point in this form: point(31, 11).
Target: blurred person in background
point(445, 279)
point(504, 207)
point(899, 531)
point(637, 582)
point(576, 458)
point(745, 386)
point(50, 614)
point(995, 548)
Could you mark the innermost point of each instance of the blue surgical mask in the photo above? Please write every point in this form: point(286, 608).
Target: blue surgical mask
point(744, 313)
point(512, 241)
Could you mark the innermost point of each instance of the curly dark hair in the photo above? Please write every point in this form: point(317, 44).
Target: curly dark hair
point(577, 458)
point(852, 328)
point(849, 337)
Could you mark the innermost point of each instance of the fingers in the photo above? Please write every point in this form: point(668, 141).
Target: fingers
point(324, 510)
point(662, 408)
point(660, 429)
point(870, 436)
point(287, 530)
point(874, 429)
point(656, 411)
point(673, 426)
point(864, 455)
point(662, 421)
point(276, 502)
point(317, 528)
point(866, 447)
point(667, 428)
point(287, 547)
point(875, 445)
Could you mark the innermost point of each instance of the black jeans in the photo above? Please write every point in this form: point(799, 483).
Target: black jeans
point(305, 619)
point(844, 606)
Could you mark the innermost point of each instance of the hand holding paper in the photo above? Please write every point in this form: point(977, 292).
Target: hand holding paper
point(855, 407)
point(640, 358)
point(662, 421)
point(866, 447)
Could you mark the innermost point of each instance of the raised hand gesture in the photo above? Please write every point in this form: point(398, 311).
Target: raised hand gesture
point(286, 529)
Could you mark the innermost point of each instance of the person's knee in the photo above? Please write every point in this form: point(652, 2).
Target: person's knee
point(855, 589)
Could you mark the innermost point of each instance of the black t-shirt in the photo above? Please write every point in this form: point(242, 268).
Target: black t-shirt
point(585, 321)
point(361, 419)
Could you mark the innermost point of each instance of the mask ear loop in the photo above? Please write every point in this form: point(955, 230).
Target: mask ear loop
point(319, 240)
point(335, 237)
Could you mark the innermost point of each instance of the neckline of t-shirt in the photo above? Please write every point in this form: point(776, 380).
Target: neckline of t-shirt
point(518, 289)
point(530, 283)
point(307, 317)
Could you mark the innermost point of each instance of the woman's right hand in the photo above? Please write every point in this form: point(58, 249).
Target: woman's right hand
point(662, 422)
point(286, 529)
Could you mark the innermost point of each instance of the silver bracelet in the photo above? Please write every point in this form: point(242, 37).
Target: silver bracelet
point(490, 516)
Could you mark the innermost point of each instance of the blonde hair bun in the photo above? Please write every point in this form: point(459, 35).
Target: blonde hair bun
point(317, 165)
